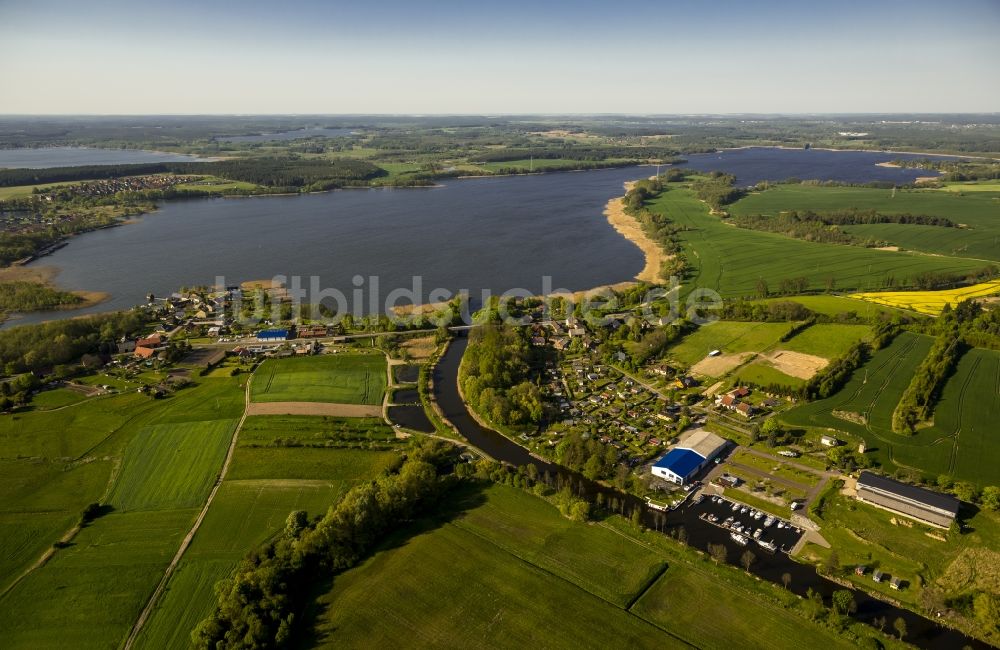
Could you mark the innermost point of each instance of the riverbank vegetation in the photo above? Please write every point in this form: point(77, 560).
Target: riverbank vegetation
point(24, 296)
point(497, 376)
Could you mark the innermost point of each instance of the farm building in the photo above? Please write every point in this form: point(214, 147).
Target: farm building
point(917, 503)
point(688, 457)
point(829, 441)
point(272, 335)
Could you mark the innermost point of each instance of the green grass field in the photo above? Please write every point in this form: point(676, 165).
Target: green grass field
point(340, 378)
point(730, 337)
point(266, 430)
point(148, 453)
point(962, 441)
point(508, 569)
point(669, 605)
point(57, 398)
point(244, 514)
point(763, 374)
point(977, 210)
point(90, 594)
point(731, 260)
point(172, 465)
point(827, 340)
point(306, 462)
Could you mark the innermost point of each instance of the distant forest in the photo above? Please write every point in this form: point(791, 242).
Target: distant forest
point(268, 172)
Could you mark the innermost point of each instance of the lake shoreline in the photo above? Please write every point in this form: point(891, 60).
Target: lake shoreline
point(628, 227)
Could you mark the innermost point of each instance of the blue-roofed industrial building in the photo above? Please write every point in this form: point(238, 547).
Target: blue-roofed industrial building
point(685, 460)
point(272, 335)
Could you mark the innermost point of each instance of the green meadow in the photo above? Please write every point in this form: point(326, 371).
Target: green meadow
point(506, 567)
point(171, 465)
point(732, 260)
point(243, 514)
point(264, 484)
point(977, 210)
point(340, 378)
point(827, 340)
point(730, 337)
point(962, 440)
point(151, 461)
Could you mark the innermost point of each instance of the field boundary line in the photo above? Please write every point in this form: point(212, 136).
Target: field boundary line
point(564, 579)
point(186, 542)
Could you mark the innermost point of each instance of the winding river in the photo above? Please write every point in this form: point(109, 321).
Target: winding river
point(921, 631)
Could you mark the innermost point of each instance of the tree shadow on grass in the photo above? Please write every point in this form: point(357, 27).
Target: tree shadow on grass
point(452, 505)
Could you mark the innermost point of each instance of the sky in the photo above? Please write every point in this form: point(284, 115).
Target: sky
point(511, 56)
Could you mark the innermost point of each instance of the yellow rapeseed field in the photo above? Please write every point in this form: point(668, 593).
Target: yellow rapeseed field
point(930, 302)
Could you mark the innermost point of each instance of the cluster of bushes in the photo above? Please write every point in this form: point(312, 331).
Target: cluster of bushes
point(496, 376)
point(257, 605)
point(14, 392)
point(717, 190)
point(770, 312)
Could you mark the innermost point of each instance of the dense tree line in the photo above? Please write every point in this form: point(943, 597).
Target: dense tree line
point(658, 226)
point(268, 172)
point(772, 312)
point(259, 605)
point(928, 280)
point(33, 296)
point(815, 227)
point(917, 402)
point(36, 347)
point(833, 377)
point(496, 376)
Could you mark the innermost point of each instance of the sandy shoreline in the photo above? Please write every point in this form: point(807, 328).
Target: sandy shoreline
point(626, 226)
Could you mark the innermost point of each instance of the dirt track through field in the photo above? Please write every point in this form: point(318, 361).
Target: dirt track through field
point(186, 542)
point(332, 409)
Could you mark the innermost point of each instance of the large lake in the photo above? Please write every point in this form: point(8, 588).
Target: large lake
point(484, 233)
point(755, 164)
point(73, 156)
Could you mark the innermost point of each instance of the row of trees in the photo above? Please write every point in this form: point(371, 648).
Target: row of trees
point(658, 226)
point(917, 402)
point(833, 377)
point(257, 606)
point(496, 376)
